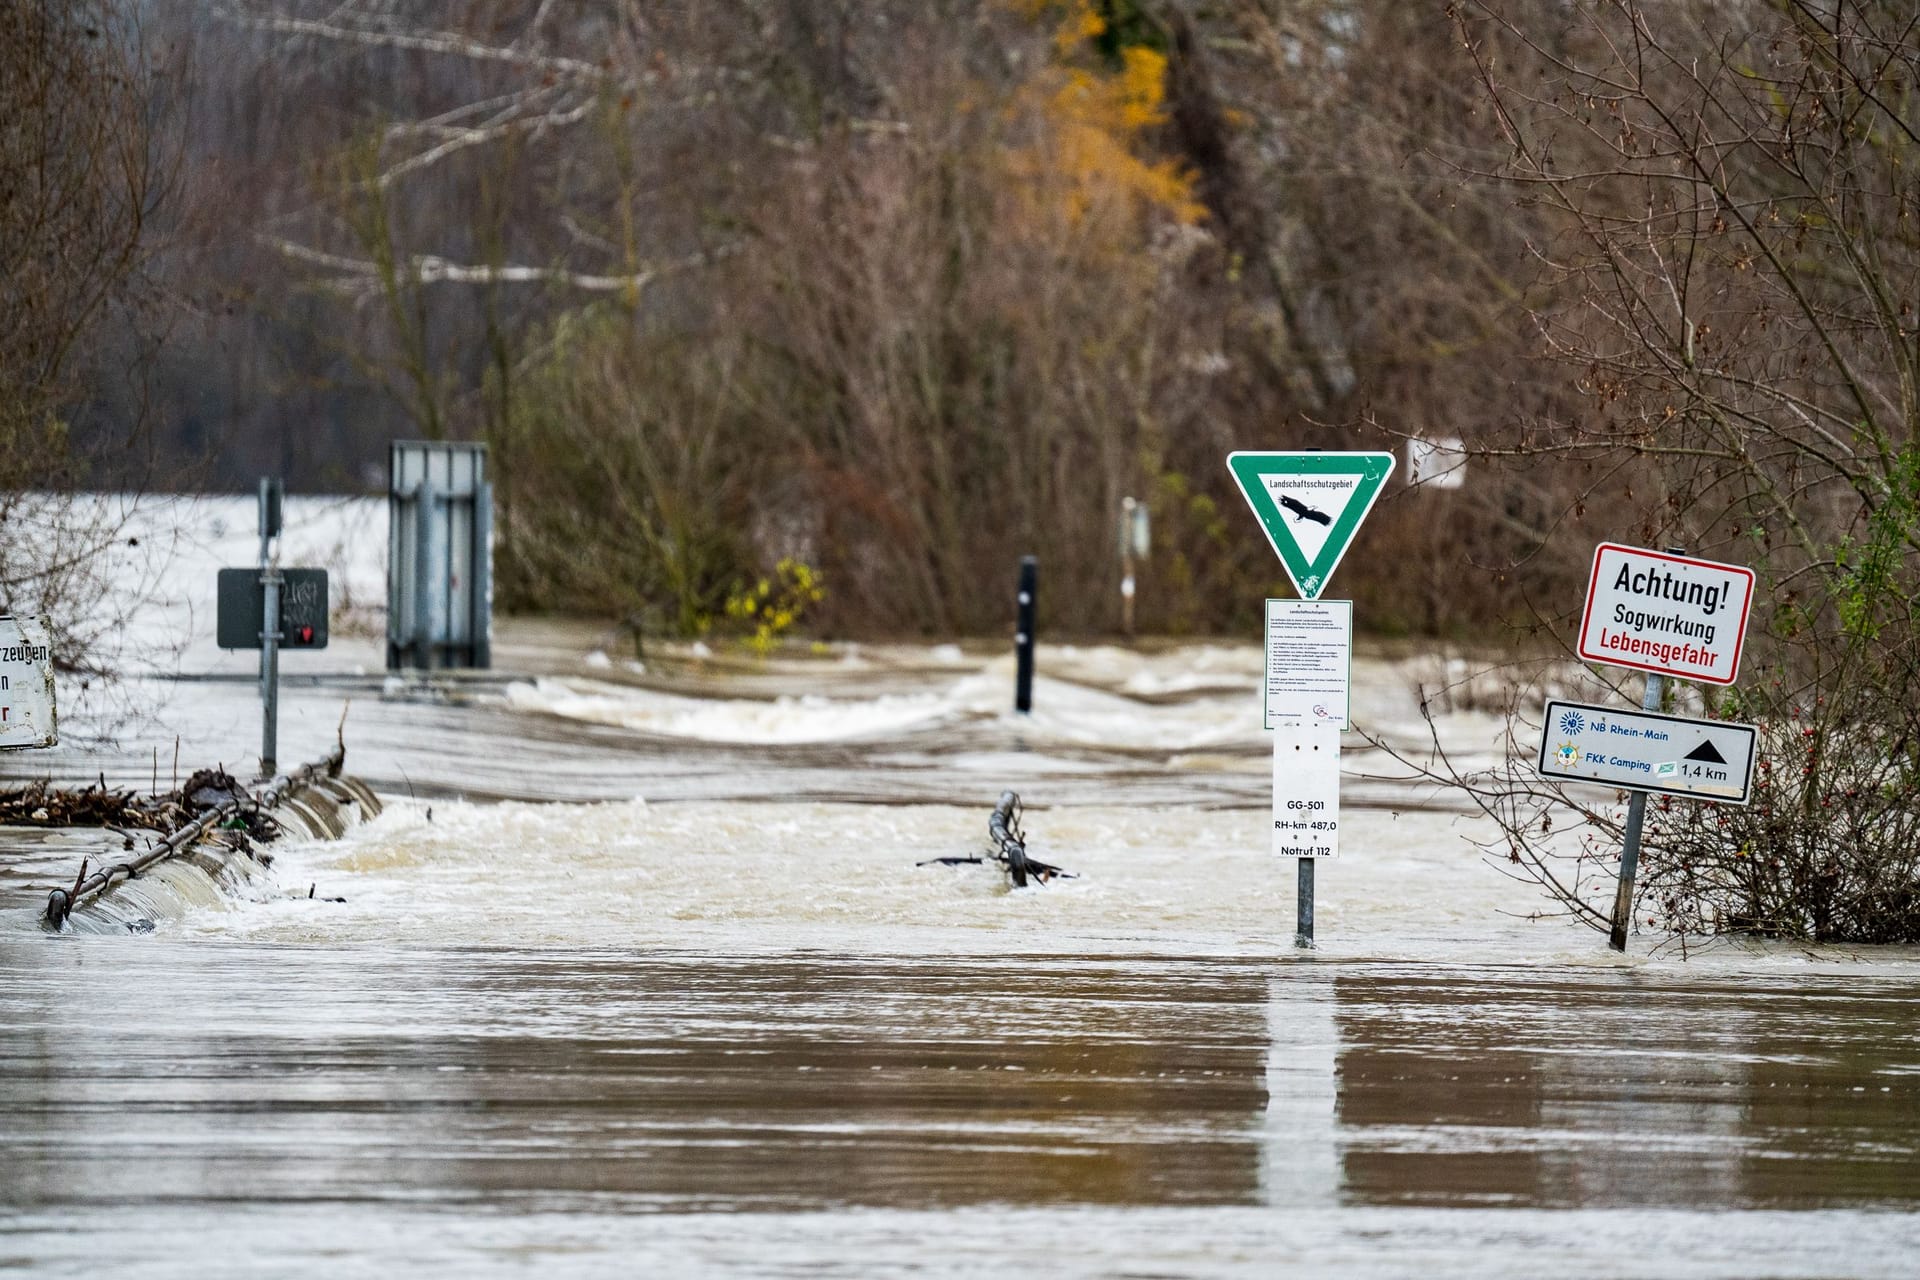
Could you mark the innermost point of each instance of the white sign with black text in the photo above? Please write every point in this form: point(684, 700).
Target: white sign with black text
point(1306, 791)
point(1309, 667)
point(1666, 613)
point(1646, 751)
point(26, 684)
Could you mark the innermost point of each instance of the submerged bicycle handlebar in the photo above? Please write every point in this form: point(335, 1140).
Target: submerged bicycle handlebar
point(1010, 847)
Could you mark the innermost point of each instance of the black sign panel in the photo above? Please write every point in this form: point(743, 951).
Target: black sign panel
point(242, 613)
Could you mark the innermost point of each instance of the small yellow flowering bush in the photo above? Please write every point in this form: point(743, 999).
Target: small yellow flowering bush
point(768, 608)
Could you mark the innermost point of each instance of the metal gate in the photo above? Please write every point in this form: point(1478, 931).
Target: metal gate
point(439, 556)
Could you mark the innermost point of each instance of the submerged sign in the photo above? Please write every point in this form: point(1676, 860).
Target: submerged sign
point(1666, 613)
point(1644, 751)
point(26, 684)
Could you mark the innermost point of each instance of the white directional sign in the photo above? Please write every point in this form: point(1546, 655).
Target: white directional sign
point(1642, 751)
point(1666, 613)
point(1309, 661)
point(1306, 791)
point(1310, 505)
point(26, 684)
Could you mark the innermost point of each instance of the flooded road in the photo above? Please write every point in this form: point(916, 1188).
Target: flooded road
point(707, 1016)
point(369, 1110)
point(707, 1038)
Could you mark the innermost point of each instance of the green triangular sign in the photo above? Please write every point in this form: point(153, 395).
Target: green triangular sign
point(1311, 505)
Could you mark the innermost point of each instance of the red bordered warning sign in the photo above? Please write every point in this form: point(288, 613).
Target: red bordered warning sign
point(1666, 613)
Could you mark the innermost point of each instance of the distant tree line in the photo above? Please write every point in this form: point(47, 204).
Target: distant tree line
point(904, 290)
point(901, 289)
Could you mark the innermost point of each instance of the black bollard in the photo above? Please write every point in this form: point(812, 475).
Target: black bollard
point(1023, 635)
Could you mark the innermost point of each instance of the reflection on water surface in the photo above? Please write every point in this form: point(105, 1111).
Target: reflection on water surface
point(598, 1086)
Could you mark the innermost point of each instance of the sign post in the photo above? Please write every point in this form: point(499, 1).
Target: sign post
point(296, 620)
point(1135, 534)
point(1023, 639)
point(271, 497)
point(1630, 841)
point(1306, 807)
point(1667, 614)
point(1309, 505)
point(270, 608)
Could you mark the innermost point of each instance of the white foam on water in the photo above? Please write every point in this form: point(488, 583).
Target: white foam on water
point(755, 876)
point(787, 718)
point(727, 877)
point(1064, 712)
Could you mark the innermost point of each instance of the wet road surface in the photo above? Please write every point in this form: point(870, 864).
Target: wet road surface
point(472, 1109)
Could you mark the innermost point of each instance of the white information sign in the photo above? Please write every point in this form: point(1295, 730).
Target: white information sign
point(1309, 661)
point(1643, 751)
point(1665, 613)
point(26, 684)
point(1306, 791)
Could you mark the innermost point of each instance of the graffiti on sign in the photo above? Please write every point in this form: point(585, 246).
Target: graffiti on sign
point(242, 612)
point(27, 715)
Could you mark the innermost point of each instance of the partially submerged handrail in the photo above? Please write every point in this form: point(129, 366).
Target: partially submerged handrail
point(62, 903)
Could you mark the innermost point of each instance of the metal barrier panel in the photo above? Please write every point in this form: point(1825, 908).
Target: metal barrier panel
point(439, 556)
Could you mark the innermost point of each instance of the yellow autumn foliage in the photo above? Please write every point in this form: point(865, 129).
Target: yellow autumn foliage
point(1089, 162)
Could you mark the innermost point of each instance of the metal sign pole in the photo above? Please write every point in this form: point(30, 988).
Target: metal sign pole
point(1303, 921)
point(1310, 504)
point(270, 673)
point(1306, 810)
point(269, 629)
point(1630, 846)
point(1636, 818)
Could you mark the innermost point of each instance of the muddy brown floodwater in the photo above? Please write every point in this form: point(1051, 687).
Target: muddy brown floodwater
point(196, 1108)
point(709, 1018)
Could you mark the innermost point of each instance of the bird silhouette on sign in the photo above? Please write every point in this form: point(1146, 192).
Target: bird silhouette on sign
point(1301, 511)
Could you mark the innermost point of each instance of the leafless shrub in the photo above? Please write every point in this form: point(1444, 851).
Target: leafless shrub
point(1447, 682)
point(1733, 192)
point(80, 174)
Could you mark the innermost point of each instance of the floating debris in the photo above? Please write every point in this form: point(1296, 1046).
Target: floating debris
point(39, 805)
point(1010, 847)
